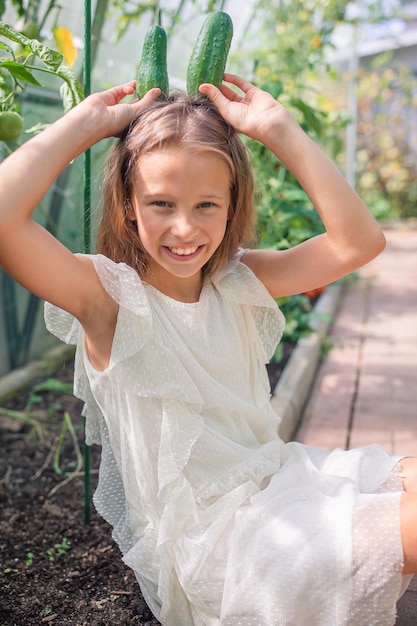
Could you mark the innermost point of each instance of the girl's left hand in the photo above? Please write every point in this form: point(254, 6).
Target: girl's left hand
point(253, 113)
point(113, 114)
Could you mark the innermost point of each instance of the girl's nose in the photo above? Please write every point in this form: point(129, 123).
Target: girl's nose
point(184, 226)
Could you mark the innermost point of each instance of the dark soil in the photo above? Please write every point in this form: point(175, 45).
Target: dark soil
point(54, 567)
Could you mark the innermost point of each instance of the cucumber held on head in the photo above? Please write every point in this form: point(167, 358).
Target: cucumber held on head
point(152, 70)
point(209, 55)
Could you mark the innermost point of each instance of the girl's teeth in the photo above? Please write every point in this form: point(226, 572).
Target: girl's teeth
point(184, 251)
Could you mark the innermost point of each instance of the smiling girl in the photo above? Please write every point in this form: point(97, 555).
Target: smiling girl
point(222, 522)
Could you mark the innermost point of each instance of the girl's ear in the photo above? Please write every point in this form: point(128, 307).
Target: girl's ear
point(130, 213)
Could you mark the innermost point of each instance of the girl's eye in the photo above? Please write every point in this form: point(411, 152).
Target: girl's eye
point(205, 205)
point(161, 203)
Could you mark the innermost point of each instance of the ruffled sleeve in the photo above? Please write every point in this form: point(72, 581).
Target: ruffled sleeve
point(124, 286)
point(239, 284)
point(68, 329)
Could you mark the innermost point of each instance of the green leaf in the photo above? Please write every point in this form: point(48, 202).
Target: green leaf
point(20, 72)
point(51, 58)
point(71, 90)
point(8, 49)
point(53, 384)
point(67, 97)
point(131, 16)
point(18, 5)
point(12, 34)
point(310, 115)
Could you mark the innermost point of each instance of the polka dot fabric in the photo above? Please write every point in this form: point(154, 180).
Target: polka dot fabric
point(222, 522)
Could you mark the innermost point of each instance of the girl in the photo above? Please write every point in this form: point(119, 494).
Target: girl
point(222, 522)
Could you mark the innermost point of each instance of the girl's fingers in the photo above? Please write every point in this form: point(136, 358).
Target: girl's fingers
point(150, 96)
point(140, 104)
point(243, 84)
point(211, 92)
point(127, 88)
point(120, 91)
point(116, 94)
point(230, 94)
point(221, 97)
point(227, 92)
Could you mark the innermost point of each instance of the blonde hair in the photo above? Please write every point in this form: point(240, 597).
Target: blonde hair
point(192, 124)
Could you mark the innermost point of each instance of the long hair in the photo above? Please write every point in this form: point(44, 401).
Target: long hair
point(192, 124)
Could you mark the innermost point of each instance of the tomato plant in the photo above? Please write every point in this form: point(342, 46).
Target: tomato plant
point(24, 59)
point(11, 125)
point(15, 72)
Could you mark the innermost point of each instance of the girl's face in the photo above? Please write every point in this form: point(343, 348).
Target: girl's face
point(181, 204)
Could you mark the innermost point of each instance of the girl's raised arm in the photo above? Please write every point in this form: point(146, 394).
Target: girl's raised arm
point(352, 236)
point(29, 253)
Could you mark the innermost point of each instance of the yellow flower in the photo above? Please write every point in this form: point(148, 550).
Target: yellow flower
point(263, 71)
point(65, 44)
point(316, 41)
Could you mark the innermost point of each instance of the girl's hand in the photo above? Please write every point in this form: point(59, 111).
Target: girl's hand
point(109, 116)
point(254, 113)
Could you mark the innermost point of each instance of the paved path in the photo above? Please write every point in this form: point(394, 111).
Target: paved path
point(366, 389)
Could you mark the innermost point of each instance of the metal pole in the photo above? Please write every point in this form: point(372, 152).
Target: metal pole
point(352, 128)
point(87, 224)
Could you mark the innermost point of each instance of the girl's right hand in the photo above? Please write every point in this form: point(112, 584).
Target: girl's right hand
point(29, 253)
point(108, 115)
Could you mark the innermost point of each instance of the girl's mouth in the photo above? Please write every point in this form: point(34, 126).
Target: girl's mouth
point(183, 251)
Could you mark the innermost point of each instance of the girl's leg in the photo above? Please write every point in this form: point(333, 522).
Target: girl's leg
point(408, 474)
point(409, 531)
point(409, 514)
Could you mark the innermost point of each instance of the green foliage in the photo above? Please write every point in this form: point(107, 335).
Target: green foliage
point(287, 60)
point(170, 17)
point(286, 63)
point(386, 154)
point(18, 71)
point(59, 549)
point(285, 215)
point(24, 59)
point(34, 419)
point(67, 427)
point(29, 415)
point(298, 314)
point(290, 41)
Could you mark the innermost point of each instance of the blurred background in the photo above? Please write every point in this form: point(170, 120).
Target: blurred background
point(347, 70)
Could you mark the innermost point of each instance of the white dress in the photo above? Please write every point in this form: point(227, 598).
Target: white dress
point(222, 522)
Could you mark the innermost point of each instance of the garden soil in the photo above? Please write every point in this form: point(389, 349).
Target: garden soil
point(54, 567)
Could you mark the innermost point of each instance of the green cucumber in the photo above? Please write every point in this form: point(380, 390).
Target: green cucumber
point(152, 70)
point(209, 55)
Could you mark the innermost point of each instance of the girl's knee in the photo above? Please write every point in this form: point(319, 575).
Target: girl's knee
point(409, 531)
point(408, 474)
